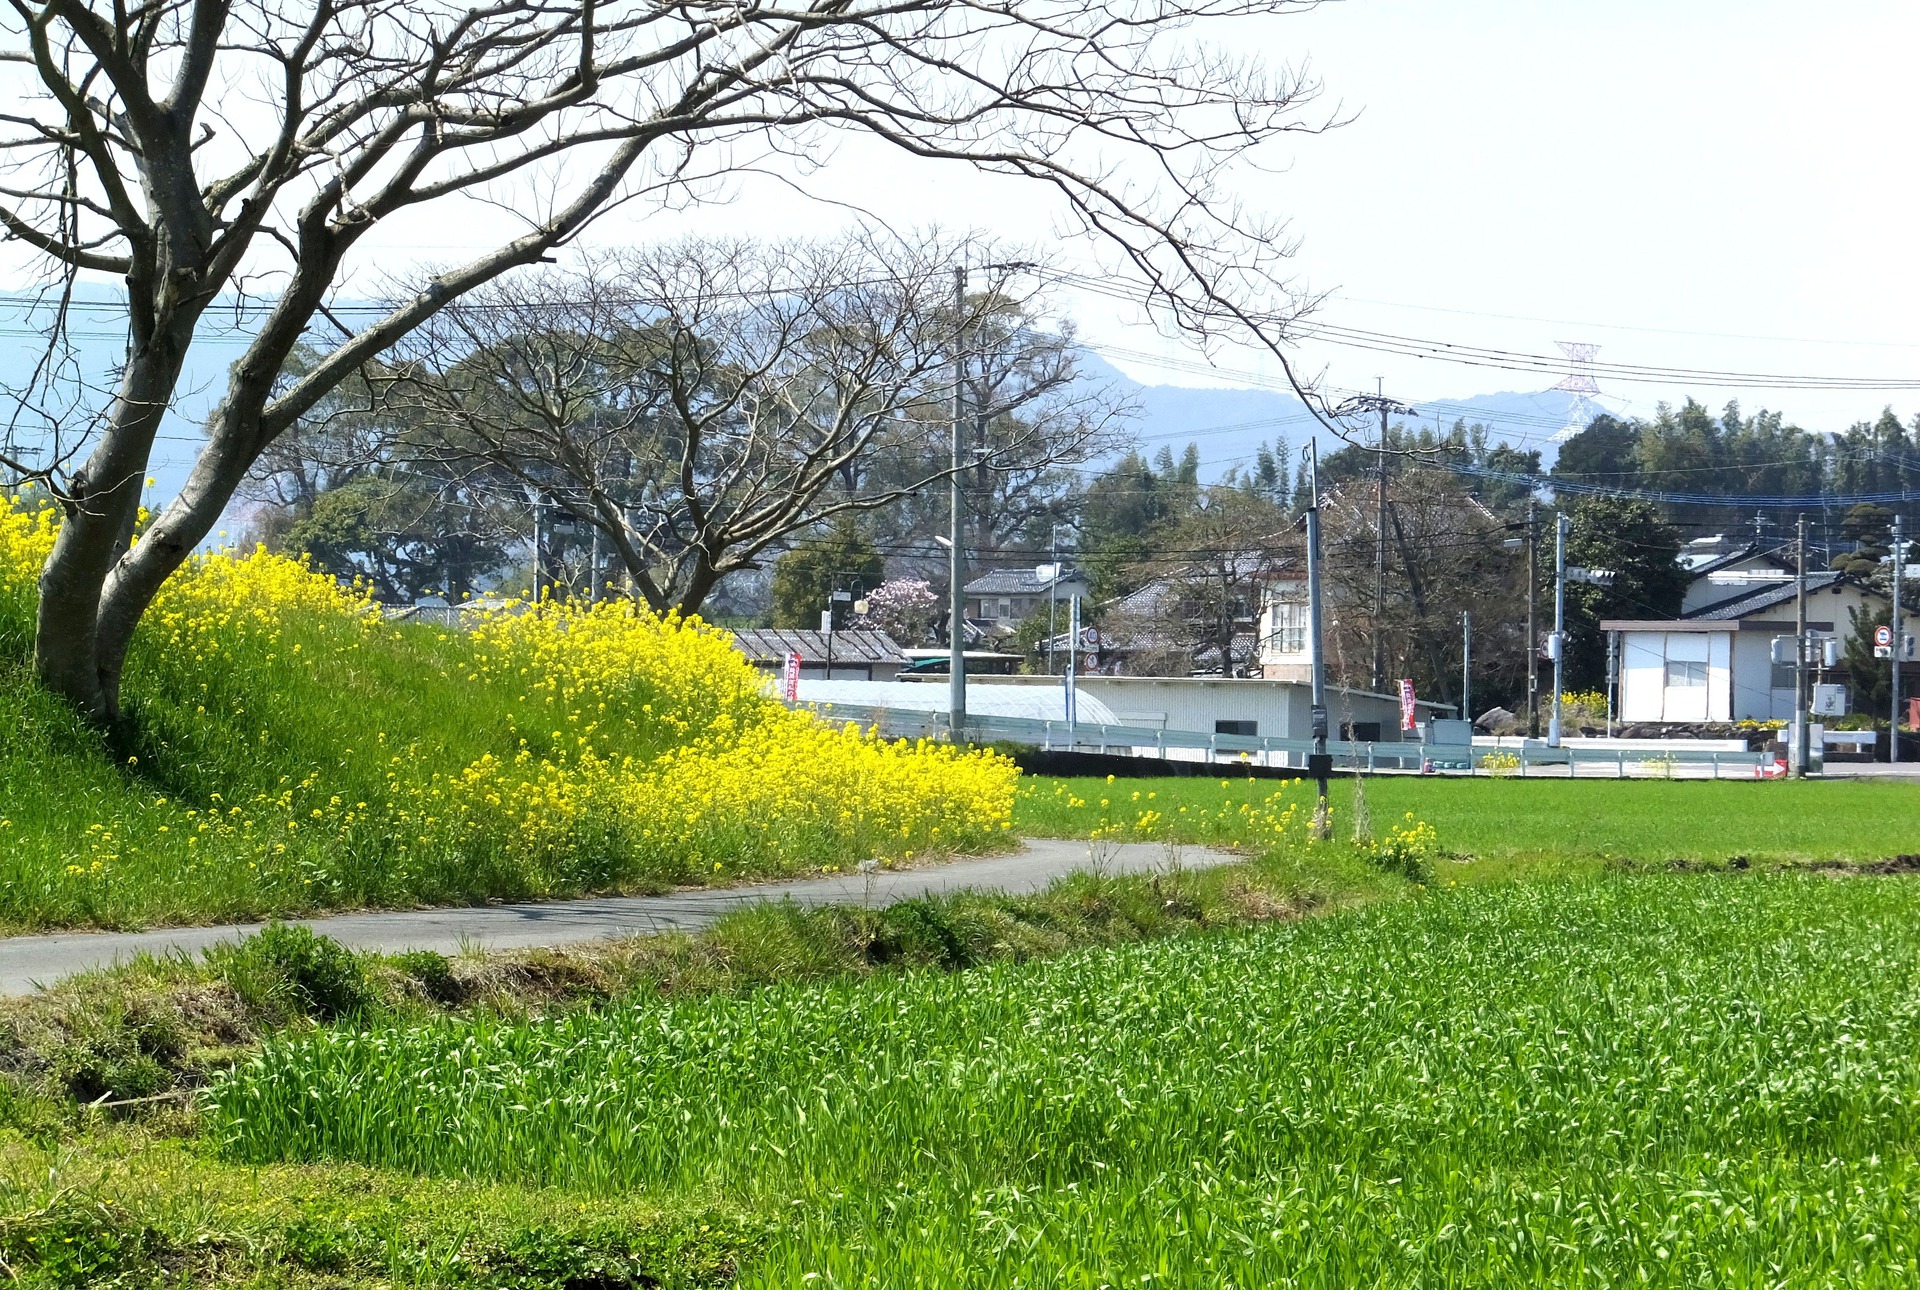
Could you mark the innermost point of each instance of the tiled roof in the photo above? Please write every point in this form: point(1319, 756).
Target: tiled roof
point(1749, 602)
point(1005, 582)
point(773, 644)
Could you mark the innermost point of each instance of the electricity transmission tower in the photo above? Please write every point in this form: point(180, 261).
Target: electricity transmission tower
point(1578, 382)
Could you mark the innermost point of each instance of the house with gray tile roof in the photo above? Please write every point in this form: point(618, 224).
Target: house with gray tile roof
point(1003, 598)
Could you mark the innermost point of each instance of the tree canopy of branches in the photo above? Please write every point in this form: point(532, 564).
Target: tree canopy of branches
point(702, 402)
point(1209, 564)
point(807, 578)
point(199, 148)
point(1444, 556)
point(347, 485)
point(1626, 537)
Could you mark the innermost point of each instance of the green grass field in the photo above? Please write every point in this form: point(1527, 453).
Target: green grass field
point(1531, 820)
point(1668, 1079)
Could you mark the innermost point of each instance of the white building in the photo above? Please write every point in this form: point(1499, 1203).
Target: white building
point(1213, 705)
point(1715, 662)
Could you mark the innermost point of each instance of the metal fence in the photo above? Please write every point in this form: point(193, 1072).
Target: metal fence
point(1623, 763)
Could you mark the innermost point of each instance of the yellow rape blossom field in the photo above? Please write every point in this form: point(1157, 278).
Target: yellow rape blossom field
point(290, 750)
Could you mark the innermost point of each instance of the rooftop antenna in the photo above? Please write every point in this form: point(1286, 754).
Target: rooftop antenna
point(1578, 382)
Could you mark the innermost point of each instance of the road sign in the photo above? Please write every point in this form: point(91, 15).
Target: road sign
point(1883, 635)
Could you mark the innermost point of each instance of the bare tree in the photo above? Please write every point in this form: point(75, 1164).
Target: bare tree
point(1445, 555)
point(1202, 588)
point(195, 148)
point(1035, 418)
point(700, 402)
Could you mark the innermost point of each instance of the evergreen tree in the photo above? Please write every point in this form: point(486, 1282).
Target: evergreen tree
point(805, 578)
point(1626, 537)
point(1870, 529)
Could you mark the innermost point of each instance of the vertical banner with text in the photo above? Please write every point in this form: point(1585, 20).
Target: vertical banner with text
point(790, 682)
point(1406, 705)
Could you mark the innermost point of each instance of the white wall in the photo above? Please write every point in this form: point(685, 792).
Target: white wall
point(1645, 694)
point(1279, 709)
point(1754, 698)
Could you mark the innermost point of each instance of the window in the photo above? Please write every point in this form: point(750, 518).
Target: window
point(1681, 674)
point(1249, 728)
point(1289, 628)
point(1782, 676)
point(1360, 732)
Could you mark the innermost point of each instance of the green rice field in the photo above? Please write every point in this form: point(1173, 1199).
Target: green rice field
point(1525, 819)
point(1665, 1079)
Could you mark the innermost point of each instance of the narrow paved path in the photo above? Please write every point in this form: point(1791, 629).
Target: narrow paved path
point(27, 962)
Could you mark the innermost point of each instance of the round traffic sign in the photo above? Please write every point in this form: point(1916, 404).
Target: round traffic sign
point(1883, 635)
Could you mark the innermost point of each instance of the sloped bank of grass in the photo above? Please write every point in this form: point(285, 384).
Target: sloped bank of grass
point(1531, 823)
point(291, 751)
point(1675, 1079)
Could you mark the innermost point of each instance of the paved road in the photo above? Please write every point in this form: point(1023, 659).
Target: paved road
point(27, 962)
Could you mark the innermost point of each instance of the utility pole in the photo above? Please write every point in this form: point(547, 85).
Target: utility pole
point(1380, 562)
point(1380, 403)
point(1533, 625)
point(1071, 698)
point(1466, 665)
point(539, 553)
point(1802, 736)
point(956, 549)
point(1559, 650)
point(1899, 643)
point(1318, 762)
point(1053, 586)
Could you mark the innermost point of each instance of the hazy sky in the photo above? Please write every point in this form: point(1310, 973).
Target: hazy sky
point(1689, 183)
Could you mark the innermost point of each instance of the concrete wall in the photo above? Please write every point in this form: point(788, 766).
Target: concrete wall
point(1278, 709)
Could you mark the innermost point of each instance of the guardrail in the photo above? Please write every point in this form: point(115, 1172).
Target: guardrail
point(909, 723)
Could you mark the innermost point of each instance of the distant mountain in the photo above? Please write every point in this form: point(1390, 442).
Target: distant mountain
point(1228, 425)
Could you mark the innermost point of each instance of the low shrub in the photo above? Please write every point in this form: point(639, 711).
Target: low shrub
point(296, 970)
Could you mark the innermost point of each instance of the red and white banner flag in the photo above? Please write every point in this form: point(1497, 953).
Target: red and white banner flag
point(1406, 706)
point(791, 680)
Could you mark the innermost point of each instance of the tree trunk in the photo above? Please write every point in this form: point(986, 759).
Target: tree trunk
point(136, 578)
point(101, 512)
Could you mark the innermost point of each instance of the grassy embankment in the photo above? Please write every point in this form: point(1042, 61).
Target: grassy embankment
point(289, 751)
